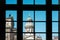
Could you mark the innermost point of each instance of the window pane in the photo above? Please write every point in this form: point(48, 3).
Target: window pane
point(11, 36)
point(11, 26)
point(40, 15)
point(11, 1)
point(11, 14)
point(55, 36)
point(40, 27)
point(39, 36)
point(54, 1)
point(54, 15)
point(28, 15)
point(54, 26)
point(28, 27)
point(28, 1)
point(40, 1)
point(28, 36)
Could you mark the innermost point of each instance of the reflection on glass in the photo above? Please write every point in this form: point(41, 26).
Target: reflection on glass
point(42, 2)
point(40, 15)
point(28, 1)
point(55, 2)
point(40, 27)
point(54, 15)
point(11, 15)
point(28, 36)
point(39, 36)
point(54, 26)
point(11, 1)
point(11, 36)
point(28, 14)
point(55, 36)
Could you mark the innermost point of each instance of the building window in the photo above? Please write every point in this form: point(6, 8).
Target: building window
point(34, 21)
point(40, 15)
point(27, 14)
point(40, 2)
point(36, 2)
point(11, 1)
point(54, 15)
point(40, 27)
point(55, 2)
point(28, 1)
point(54, 36)
point(11, 24)
point(55, 25)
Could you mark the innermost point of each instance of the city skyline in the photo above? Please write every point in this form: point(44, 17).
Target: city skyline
point(38, 25)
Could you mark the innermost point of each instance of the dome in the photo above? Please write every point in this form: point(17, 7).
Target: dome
point(29, 19)
point(29, 24)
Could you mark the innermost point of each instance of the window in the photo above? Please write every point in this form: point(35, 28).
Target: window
point(11, 24)
point(36, 2)
point(34, 21)
point(55, 25)
point(54, 36)
point(41, 2)
point(40, 15)
point(11, 1)
point(40, 27)
point(55, 2)
point(28, 1)
point(27, 14)
point(54, 15)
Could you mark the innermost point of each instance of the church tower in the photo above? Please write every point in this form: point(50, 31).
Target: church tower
point(9, 26)
point(29, 27)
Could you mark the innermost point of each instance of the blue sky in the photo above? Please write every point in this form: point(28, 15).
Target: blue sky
point(31, 2)
point(54, 15)
point(55, 1)
point(40, 15)
point(55, 18)
point(14, 14)
point(11, 1)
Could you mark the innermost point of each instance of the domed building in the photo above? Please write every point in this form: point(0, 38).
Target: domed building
point(29, 27)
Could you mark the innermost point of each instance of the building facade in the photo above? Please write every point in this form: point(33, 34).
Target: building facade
point(10, 30)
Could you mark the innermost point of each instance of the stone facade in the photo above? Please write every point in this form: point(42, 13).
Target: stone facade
point(10, 30)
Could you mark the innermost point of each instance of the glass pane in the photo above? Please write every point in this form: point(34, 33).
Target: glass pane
point(11, 14)
point(54, 1)
point(11, 1)
point(55, 36)
point(11, 26)
point(27, 15)
point(40, 26)
point(54, 26)
point(54, 15)
point(28, 27)
point(40, 2)
point(28, 1)
point(11, 36)
point(40, 15)
point(39, 36)
point(28, 36)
